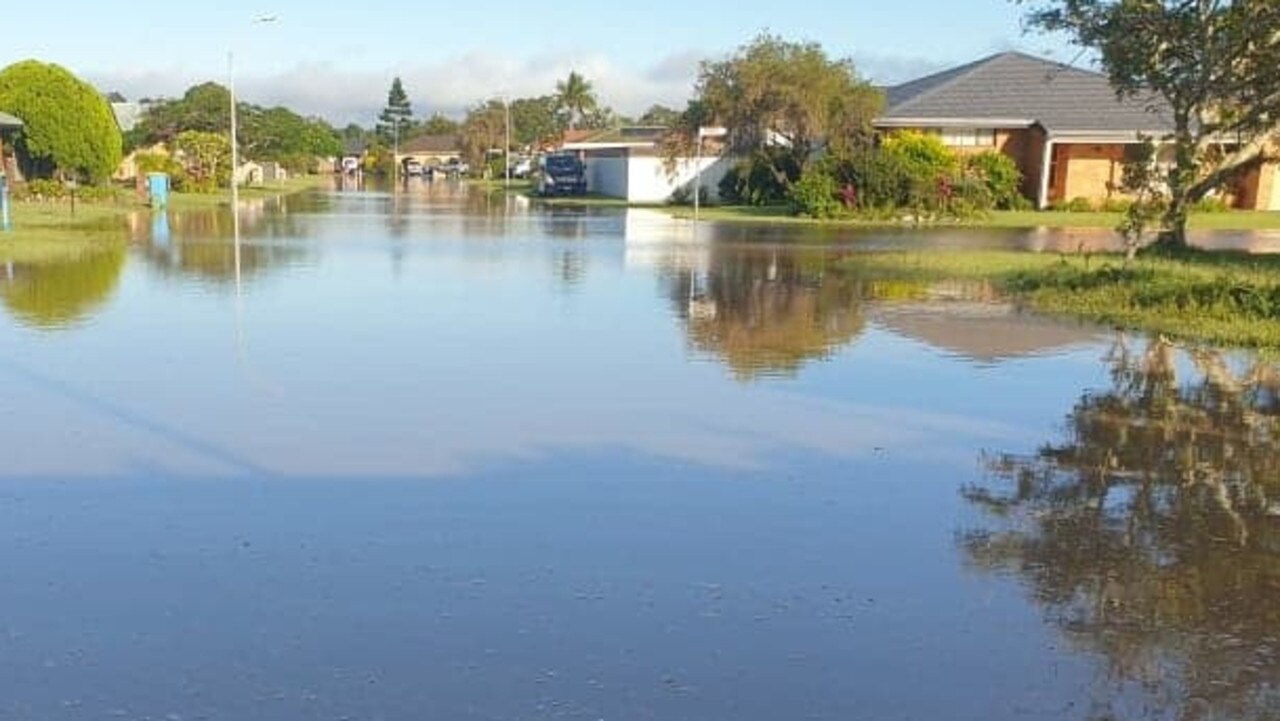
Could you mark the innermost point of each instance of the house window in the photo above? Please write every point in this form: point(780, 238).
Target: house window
point(968, 137)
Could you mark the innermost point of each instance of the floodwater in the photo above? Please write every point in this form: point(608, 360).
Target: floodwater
point(439, 455)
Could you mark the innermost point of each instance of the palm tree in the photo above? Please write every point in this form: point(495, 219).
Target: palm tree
point(575, 97)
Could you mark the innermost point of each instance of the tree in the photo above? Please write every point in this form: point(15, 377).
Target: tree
point(786, 95)
point(1212, 62)
point(576, 98)
point(660, 115)
point(483, 130)
point(68, 128)
point(207, 159)
point(535, 120)
point(397, 117)
point(281, 135)
point(438, 124)
point(205, 108)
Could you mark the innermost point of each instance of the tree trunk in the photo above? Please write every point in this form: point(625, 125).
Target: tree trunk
point(1174, 236)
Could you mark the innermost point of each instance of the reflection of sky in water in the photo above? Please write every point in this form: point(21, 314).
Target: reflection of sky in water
point(618, 524)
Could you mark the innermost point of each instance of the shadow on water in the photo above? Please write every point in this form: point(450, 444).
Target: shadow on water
point(1149, 533)
point(61, 293)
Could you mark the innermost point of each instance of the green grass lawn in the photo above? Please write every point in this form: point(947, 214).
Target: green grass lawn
point(1231, 220)
point(54, 230)
point(1220, 298)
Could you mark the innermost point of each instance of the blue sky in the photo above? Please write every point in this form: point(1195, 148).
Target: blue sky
point(336, 59)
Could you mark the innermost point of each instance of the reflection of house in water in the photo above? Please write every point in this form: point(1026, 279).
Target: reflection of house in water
point(981, 331)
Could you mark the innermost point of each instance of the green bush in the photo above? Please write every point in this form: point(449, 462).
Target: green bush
point(814, 195)
point(999, 174)
point(1075, 205)
point(1212, 205)
point(1116, 205)
point(44, 189)
point(755, 182)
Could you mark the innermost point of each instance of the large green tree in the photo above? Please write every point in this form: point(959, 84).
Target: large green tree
point(205, 108)
point(396, 118)
point(68, 128)
point(483, 130)
point(576, 98)
point(283, 136)
point(1213, 62)
point(534, 120)
point(788, 96)
point(206, 158)
point(438, 124)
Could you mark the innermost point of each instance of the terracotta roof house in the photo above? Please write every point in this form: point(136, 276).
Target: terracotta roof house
point(430, 150)
point(1064, 126)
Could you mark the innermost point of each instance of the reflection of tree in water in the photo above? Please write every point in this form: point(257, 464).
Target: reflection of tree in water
point(200, 243)
point(60, 293)
point(764, 312)
point(1150, 533)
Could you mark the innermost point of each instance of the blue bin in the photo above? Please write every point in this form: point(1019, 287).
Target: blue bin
point(158, 188)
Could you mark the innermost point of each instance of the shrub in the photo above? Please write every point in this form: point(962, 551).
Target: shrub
point(755, 182)
point(1117, 205)
point(45, 189)
point(1212, 205)
point(1075, 205)
point(999, 174)
point(815, 194)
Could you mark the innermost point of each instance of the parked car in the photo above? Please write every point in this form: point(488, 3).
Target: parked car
point(521, 168)
point(412, 167)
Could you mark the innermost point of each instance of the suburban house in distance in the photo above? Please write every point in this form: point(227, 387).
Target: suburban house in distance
point(430, 151)
point(1064, 126)
point(627, 163)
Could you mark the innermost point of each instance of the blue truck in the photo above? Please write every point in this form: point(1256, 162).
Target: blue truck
point(562, 174)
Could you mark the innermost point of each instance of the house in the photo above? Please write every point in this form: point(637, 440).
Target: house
point(628, 163)
point(430, 150)
point(1064, 126)
point(8, 163)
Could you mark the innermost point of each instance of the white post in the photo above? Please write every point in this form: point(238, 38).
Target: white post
point(697, 178)
point(235, 143)
point(506, 155)
point(1046, 165)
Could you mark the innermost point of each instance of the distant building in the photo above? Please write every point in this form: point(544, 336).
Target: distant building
point(430, 151)
point(627, 163)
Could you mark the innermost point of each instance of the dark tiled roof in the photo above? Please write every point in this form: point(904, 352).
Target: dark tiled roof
point(1012, 85)
point(431, 144)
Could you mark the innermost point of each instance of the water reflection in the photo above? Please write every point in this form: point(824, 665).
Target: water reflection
point(198, 243)
point(1149, 533)
point(766, 312)
point(61, 293)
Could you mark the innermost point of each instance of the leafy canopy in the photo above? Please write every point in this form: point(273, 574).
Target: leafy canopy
point(1213, 62)
point(68, 130)
point(774, 92)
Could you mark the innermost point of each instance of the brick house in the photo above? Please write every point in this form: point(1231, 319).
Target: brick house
point(1063, 126)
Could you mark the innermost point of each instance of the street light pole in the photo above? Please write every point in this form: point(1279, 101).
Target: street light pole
point(506, 155)
point(235, 146)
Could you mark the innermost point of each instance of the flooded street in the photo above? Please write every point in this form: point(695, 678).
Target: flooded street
point(441, 454)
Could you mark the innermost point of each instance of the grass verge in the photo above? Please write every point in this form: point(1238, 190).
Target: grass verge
point(1231, 220)
point(1219, 298)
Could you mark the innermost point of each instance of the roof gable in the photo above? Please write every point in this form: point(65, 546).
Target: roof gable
point(1015, 86)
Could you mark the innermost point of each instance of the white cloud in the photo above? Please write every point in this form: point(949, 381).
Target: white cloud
point(326, 89)
point(341, 95)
